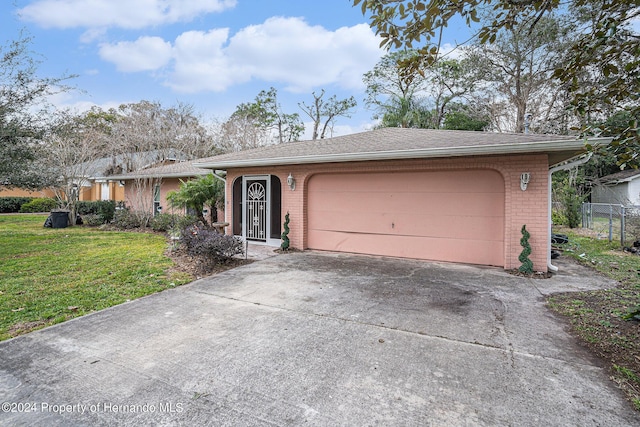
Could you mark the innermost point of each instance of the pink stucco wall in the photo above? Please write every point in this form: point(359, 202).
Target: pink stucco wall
point(142, 200)
point(521, 207)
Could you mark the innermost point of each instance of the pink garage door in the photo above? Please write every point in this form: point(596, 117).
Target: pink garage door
point(455, 216)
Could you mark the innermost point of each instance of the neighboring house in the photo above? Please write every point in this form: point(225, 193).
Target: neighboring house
point(98, 180)
point(18, 192)
point(146, 189)
point(428, 194)
point(622, 188)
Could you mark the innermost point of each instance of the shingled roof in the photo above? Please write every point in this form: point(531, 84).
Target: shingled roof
point(174, 170)
point(622, 176)
point(402, 143)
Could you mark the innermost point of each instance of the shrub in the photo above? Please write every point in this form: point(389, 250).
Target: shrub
point(184, 222)
point(127, 219)
point(210, 244)
point(13, 204)
point(572, 204)
point(105, 209)
point(527, 265)
point(39, 205)
point(92, 220)
point(558, 218)
point(285, 234)
point(163, 222)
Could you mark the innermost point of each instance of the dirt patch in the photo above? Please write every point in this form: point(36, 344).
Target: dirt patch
point(595, 318)
point(24, 327)
point(534, 275)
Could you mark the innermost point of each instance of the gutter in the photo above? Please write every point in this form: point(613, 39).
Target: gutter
point(571, 163)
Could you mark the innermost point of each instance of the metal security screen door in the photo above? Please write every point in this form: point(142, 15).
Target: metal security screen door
point(256, 209)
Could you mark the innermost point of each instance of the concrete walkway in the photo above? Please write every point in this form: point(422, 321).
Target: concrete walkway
point(322, 340)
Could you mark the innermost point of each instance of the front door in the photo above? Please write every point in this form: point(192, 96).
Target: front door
point(256, 209)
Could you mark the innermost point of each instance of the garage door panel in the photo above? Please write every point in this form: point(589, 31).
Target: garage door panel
point(483, 204)
point(398, 182)
point(431, 248)
point(483, 228)
point(413, 214)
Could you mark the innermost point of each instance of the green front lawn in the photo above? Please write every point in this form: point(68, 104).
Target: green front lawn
point(49, 275)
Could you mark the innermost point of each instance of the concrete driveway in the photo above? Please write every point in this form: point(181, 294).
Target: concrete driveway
point(322, 340)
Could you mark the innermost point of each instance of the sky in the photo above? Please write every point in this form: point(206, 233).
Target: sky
point(212, 54)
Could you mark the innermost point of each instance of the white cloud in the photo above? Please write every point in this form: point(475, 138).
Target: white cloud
point(291, 51)
point(117, 13)
point(284, 51)
point(144, 54)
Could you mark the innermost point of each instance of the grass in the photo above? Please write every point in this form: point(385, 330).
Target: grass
point(49, 275)
point(597, 316)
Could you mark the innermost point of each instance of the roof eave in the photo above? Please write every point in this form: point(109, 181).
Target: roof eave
point(158, 175)
point(573, 146)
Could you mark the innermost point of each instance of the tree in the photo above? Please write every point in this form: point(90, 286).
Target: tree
point(606, 45)
point(397, 98)
point(145, 134)
point(197, 193)
point(267, 115)
point(24, 113)
point(406, 113)
point(420, 99)
point(463, 117)
point(239, 133)
point(518, 67)
point(323, 113)
point(450, 80)
point(72, 145)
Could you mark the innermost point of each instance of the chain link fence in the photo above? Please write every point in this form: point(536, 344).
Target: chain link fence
point(615, 222)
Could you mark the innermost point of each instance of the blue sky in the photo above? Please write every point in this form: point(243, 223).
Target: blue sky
point(213, 54)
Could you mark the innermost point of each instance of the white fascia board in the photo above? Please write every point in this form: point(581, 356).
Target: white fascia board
point(422, 153)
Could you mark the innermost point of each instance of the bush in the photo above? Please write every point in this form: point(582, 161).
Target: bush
point(558, 218)
point(572, 205)
point(105, 209)
point(184, 222)
point(92, 220)
point(163, 222)
point(126, 219)
point(13, 204)
point(39, 205)
point(210, 244)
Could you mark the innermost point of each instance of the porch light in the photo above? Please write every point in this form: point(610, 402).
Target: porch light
point(291, 182)
point(525, 177)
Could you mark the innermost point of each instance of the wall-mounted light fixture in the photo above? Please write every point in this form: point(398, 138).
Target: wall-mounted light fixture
point(291, 182)
point(121, 183)
point(525, 177)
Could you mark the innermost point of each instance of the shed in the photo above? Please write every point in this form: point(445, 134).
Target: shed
point(621, 188)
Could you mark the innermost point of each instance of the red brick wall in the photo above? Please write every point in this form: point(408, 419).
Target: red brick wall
point(528, 207)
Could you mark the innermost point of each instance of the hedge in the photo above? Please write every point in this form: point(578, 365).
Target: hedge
point(13, 204)
point(39, 205)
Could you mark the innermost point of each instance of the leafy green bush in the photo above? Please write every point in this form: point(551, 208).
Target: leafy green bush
point(572, 204)
point(210, 244)
point(163, 222)
point(92, 220)
point(39, 205)
point(13, 204)
point(126, 219)
point(558, 217)
point(105, 209)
